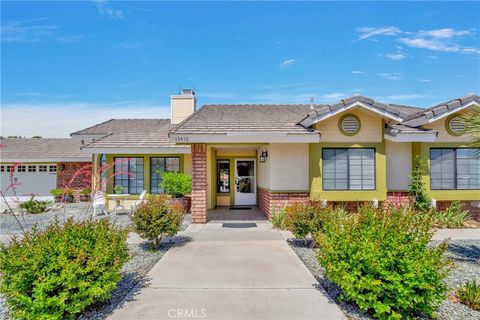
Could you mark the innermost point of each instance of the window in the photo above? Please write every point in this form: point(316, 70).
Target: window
point(32, 168)
point(42, 168)
point(52, 168)
point(22, 169)
point(129, 174)
point(8, 169)
point(223, 176)
point(157, 167)
point(452, 168)
point(456, 126)
point(2, 168)
point(349, 125)
point(348, 169)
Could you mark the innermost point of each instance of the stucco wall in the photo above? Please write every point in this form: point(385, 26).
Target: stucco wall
point(370, 131)
point(443, 135)
point(286, 167)
point(399, 165)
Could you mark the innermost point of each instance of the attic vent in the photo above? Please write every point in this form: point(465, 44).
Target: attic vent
point(456, 126)
point(349, 125)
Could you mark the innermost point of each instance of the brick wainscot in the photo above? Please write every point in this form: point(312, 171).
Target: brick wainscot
point(76, 175)
point(268, 200)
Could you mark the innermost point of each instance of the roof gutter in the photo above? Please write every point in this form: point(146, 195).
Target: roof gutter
point(246, 137)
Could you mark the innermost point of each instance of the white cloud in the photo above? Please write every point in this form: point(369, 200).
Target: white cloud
point(61, 119)
point(104, 8)
point(431, 44)
point(333, 96)
point(390, 76)
point(366, 32)
point(358, 72)
point(397, 56)
point(443, 33)
point(288, 63)
point(27, 30)
point(424, 80)
point(406, 96)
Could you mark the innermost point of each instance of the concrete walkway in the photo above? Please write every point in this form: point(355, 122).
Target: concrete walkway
point(230, 273)
point(457, 234)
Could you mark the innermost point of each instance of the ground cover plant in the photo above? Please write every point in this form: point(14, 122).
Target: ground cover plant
point(34, 206)
point(469, 294)
point(452, 217)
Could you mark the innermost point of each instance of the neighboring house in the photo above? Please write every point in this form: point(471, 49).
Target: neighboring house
point(40, 165)
point(354, 151)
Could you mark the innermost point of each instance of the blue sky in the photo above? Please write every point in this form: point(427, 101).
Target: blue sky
point(67, 65)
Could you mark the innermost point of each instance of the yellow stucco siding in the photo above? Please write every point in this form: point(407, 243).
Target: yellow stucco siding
point(316, 191)
point(443, 134)
point(371, 128)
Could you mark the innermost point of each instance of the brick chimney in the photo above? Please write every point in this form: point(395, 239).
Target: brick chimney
point(182, 105)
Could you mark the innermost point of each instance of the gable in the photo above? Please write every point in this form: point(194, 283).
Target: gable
point(371, 127)
point(444, 134)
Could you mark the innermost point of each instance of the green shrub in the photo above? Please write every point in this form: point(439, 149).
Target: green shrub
point(382, 261)
point(57, 273)
point(469, 294)
point(85, 191)
point(452, 217)
point(56, 192)
point(278, 218)
point(156, 218)
point(34, 206)
point(417, 189)
point(303, 219)
point(176, 184)
point(118, 189)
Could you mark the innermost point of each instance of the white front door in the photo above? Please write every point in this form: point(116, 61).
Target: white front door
point(245, 184)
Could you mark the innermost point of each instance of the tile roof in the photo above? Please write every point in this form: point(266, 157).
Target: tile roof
point(215, 118)
point(445, 107)
point(23, 150)
point(125, 125)
point(394, 110)
point(130, 133)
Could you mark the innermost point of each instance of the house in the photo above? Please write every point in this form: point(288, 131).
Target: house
point(354, 151)
point(40, 165)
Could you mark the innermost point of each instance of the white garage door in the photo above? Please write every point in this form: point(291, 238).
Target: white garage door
point(36, 179)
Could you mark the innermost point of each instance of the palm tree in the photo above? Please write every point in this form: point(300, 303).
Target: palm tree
point(472, 121)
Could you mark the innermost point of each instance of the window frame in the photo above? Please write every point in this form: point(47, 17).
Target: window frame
point(348, 169)
point(128, 179)
point(164, 166)
point(32, 168)
point(455, 171)
point(229, 177)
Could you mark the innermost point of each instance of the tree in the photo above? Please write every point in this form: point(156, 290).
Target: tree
point(417, 189)
point(472, 122)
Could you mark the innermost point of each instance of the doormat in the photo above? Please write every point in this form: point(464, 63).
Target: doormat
point(239, 225)
point(239, 208)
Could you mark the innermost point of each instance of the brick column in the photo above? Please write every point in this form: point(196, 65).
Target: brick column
point(199, 183)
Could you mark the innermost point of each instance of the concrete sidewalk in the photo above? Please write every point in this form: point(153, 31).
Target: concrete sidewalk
point(230, 273)
point(457, 234)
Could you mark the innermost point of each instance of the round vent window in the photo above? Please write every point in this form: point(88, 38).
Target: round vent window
point(349, 125)
point(455, 126)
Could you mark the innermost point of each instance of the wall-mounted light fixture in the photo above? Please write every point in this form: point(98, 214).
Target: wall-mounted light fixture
point(62, 167)
point(264, 156)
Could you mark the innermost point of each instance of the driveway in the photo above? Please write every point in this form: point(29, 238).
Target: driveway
point(230, 273)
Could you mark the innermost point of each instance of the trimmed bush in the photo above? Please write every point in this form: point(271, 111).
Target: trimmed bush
point(469, 294)
point(303, 219)
point(382, 261)
point(57, 273)
point(157, 217)
point(417, 188)
point(176, 184)
point(452, 217)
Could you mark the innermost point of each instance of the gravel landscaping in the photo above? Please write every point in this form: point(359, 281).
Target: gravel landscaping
point(142, 256)
point(464, 253)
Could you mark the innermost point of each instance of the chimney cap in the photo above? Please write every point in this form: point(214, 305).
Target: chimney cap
point(188, 91)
